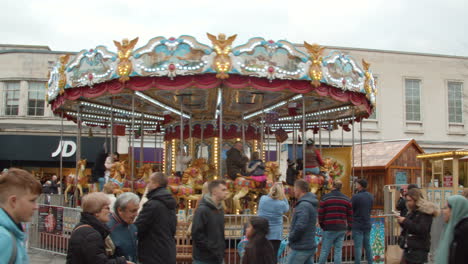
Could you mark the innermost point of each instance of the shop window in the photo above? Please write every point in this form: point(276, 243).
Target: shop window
point(36, 99)
point(12, 94)
point(413, 99)
point(455, 102)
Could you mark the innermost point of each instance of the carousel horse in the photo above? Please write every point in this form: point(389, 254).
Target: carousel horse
point(117, 176)
point(242, 186)
point(81, 180)
point(192, 179)
point(144, 173)
point(319, 184)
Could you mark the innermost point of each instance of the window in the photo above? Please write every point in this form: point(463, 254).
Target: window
point(413, 100)
point(12, 92)
point(455, 102)
point(36, 99)
point(374, 114)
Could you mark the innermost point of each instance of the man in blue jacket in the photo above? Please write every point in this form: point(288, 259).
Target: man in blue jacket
point(18, 194)
point(123, 231)
point(362, 205)
point(302, 233)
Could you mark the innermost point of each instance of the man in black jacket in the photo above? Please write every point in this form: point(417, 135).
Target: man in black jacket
point(157, 223)
point(362, 203)
point(236, 161)
point(208, 226)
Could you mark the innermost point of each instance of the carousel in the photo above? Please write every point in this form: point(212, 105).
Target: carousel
point(200, 99)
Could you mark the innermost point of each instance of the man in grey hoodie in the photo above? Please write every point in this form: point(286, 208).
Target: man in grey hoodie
point(302, 233)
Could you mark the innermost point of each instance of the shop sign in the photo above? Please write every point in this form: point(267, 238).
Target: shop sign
point(66, 147)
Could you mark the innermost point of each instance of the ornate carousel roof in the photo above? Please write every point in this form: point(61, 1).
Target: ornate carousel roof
point(183, 77)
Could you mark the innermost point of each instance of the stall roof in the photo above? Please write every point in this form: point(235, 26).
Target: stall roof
point(382, 153)
point(445, 154)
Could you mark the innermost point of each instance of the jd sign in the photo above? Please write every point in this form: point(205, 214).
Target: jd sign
point(67, 147)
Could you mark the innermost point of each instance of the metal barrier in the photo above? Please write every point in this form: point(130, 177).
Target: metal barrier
point(57, 242)
point(52, 199)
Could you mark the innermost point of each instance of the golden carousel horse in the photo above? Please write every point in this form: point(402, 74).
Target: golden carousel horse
point(117, 176)
point(319, 184)
point(242, 186)
point(81, 180)
point(144, 174)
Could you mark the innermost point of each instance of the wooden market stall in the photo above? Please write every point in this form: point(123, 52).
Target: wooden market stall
point(385, 163)
point(444, 174)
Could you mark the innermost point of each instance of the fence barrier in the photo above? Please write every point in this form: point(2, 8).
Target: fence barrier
point(51, 234)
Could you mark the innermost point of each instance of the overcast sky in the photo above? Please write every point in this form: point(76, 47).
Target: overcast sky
point(428, 26)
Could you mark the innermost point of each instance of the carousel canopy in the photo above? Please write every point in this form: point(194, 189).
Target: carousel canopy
point(261, 81)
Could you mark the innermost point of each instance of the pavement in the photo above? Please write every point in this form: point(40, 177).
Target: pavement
point(41, 257)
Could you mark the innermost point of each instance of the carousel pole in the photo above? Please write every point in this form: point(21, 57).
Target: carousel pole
point(320, 124)
point(155, 144)
point(262, 133)
point(132, 138)
point(352, 142)
point(78, 153)
point(342, 136)
point(112, 130)
point(61, 156)
point(243, 132)
point(294, 135)
point(201, 140)
point(190, 137)
point(221, 136)
point(329, 133)
point(360, 134)
point(303, 132)
point(181, 129)
point(268, 143)
point(142, 141)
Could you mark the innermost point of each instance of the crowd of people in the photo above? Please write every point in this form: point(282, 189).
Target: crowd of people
point(127, 231)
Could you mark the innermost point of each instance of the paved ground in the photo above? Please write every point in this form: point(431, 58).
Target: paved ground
point(40, 257)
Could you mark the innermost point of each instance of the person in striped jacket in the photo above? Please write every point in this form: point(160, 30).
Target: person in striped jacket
point(335, 219)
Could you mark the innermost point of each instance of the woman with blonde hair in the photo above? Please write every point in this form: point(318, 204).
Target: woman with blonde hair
point(272, 207)
point(415, 239)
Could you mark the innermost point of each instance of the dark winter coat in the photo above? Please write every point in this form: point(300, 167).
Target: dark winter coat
point(86, 244)
point(235, 163)
point(256, 168)
point(156, 225)
point(401, 206)
point(262, 253)
point(459, 246)
point(208, 232)
point(291, 175)
point(415, 236)
point(54, 187)
point(362, 207)
point(99, 169)
point(302, 233)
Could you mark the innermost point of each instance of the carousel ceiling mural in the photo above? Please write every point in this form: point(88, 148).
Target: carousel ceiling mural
point(169, 78)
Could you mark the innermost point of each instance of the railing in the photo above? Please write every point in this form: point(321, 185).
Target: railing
point(52, 199)
point(54, 239)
